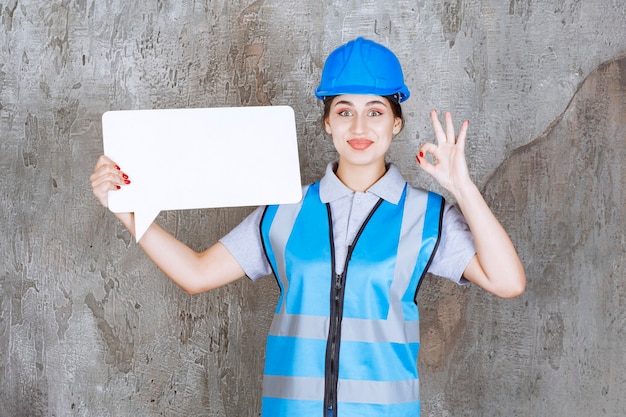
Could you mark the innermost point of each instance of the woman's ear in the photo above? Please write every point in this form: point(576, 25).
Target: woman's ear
point(397, 125)
point(327, 127)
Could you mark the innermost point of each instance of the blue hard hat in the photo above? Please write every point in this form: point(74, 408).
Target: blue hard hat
point(362, 66)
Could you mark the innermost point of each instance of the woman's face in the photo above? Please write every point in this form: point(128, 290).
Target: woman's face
point(362, 127)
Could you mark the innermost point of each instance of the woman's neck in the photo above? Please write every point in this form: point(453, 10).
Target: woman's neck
point(360, 177)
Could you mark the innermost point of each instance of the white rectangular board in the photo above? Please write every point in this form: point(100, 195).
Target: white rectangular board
point(202, 158)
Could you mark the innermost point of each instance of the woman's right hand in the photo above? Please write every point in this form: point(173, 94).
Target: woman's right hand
point(194, 272)
point(107, 176)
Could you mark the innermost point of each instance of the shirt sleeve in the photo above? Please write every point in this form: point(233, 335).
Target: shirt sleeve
point(244, 243)
point(456, 247)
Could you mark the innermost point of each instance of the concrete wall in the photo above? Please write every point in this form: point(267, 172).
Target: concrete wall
point(89, 327)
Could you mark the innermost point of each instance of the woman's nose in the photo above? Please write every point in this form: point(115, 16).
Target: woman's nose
point(359, 123)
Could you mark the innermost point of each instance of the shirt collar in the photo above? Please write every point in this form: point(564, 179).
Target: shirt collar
point(389, 187)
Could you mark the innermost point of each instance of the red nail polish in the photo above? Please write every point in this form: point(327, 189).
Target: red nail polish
point(126, 181)
point(116, 167)
point(125, 176)
point(118, 187)
point(417, 159)
point(421, 154)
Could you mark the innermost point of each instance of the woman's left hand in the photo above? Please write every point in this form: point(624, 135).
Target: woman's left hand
point(496, 266)
point(450, 167)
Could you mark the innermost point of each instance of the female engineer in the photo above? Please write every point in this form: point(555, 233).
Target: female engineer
point(350, 256)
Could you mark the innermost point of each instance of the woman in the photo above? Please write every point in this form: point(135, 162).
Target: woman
point(350, 256)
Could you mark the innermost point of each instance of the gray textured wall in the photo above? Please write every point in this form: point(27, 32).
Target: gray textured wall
point(89, 327)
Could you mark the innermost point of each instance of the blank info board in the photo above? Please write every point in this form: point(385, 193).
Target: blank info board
point(202, 158)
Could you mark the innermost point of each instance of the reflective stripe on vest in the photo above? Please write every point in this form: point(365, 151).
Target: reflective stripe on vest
point(380, 322)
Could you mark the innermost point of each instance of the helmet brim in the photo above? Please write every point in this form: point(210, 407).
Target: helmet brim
point(365, 90)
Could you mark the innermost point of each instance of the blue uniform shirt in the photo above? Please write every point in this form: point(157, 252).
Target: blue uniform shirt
point(349, 208)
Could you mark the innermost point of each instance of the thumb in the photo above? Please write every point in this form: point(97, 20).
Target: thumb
point(421, 159)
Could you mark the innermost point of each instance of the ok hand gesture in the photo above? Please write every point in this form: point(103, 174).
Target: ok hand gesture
point(449, 168)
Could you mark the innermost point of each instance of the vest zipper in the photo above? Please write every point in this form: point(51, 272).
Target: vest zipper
point(333, 344)
point(337, 293)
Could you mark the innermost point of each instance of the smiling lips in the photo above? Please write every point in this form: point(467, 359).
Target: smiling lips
point(360, 144)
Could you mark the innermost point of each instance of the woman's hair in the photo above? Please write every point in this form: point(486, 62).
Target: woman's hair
point(396, 108)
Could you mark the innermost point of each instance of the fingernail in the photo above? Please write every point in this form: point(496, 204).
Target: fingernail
point(126, 181)
point(417, 159)
point(118, 187)
point(116, 167)
point(125, 176)
point(421, 154)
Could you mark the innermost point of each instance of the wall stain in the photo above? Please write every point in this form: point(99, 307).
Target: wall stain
point(253, 54)
point(570, 212)
point(221, 342)
point(188, 322)
point(442, 309)
point(62, 314)
point(521, 8)
point(22, 250)
point(18, 292)
point(553, 333)
point(32, 137)
point(2, 81)
point(248, 63)
point(451, 20)
point(65, 116)
point(250, 13)
point(120, 350)
point(7, 14)
point(57, 21)
point(378, 29)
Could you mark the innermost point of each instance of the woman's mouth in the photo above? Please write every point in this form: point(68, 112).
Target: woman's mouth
point(359, 144)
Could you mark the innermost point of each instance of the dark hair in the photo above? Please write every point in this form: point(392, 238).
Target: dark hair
point(394, 103)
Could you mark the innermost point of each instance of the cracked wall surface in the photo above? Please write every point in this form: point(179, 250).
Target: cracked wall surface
point(89, 327)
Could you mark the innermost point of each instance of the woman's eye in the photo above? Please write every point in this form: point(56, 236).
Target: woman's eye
point(345, 113)
point(374, 113)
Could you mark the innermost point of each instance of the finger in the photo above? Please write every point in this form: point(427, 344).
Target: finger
point(428, 148)
point(463, 135)
point(105, 160)
point(449, 128)
point(105, 173)
point(104, 183)
point(108, 178)
point(423, 162)
point(425, 149)
point(105, 166)
point(438, 129)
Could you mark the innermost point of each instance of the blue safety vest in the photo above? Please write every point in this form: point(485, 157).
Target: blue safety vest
point(347, 344)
